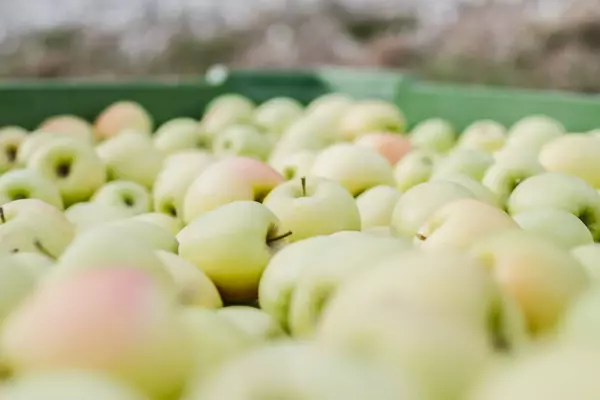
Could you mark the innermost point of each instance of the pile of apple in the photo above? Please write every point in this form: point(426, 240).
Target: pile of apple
point(278, 251)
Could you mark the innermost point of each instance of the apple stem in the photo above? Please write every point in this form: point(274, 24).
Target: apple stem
point(278, 238)
point(303, 183)
point(2, 217)
point(420, 236)
point(42, 249)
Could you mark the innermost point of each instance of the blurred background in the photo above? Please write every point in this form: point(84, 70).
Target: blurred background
point(525, 43)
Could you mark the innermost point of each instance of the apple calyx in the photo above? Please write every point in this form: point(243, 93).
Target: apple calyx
point(303, 185)
point(277, 238)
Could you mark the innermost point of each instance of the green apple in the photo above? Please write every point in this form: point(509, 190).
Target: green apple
point(256, 323)
point(542, 277)
point(559, 191)
point(123, 116)
point(307, 133)
point(469, 162)
point(186, 157)
point(28, 184)
point(480, 192)
point(33, 142)
point(11, 138)
point(87, 215)
point(72, 165)
point(376, 206)
point(153, 235)
point(17, 282)
point(276, 114)
point(242, 140)
point(71, 125)
point(415, 168)
point(131, 156)
point(420, 202)
point(534, 132)
point(355, 167)
point(310, 207)
point(131, 196)
point(486, 135)
point(165, 221)
point(329, 107)
point(179, 134)
point(295, 165)
point(366, 116)
point(589, 256)
point(436, 135)
point(581, 324)
point(37, 264)
point(194, 288)
point(226, 110)
point(246, 226)
point(560, 226)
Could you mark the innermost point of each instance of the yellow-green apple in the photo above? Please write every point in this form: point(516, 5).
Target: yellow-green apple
point(180, 134)
point(534, 132)
point(37, 264)
point(480, 192)
point(17, 282)
point(542, 277)
point(165, 221)
point(329, 107)
point(153, 235)
point(469, 162)
point(34, 141)
point(367, 116)
point(392, 146)
point(242, 140)
point(486, 135)
point(68, 125)
point(117, 321)
point(415, 168)
point(436, 135)
point(68, 384)
point(310, 207)
point(256, 323)
point(121, 116)
point(129, 195)
point(305, 134)
point(560, 191)
point(276, 114)
point(193, 287)
point(190, 156)
point(87, 215)
point(589, 256)
point(11, 138)
point(72, 165)
point(28, 184)
point(575, 154)
point(231, 179)
point(379, 231)
point(460, 223)
point(560, 226)
point(420, 202)
point(376, 206)
point(295, 165)
point(131, 156)
point(581, 323)
point(233, 245)
point(357, 168)
point(227, 110)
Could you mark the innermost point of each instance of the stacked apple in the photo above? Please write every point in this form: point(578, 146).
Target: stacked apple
point(278, 251)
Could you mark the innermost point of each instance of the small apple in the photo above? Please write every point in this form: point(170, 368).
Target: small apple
point(534, 132)
point(165, 221)
point(131, 196)
point(28, 184)
point(472, 163)
point(306, 134)
point(313, 206)
point(87, 215)
point(242, 140)
point(366, 116)
point(152, 235)
point(480, 192)
point(121, 116)
point(256, 323)
point(179, 134)
point(392, 146)
point(560, 226)
point(36, 140)
point(329, 107)
point(227, 110)
point(295, 165)
point(589, 256)
point(376, 206)
point(233, 245)
point(415, 168)
point(435, 135)
point(486, 135)
point(276, 114)
point(11, 139)
point(69, 125)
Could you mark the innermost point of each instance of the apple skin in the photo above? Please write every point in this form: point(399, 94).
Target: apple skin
point(534, 132)
point(376, 206)
point(231, 179)
point(153, 235)
point(257, 324)
point(179, 134)
point(469, 162)
point(295, 165)
point(36, 263)
point(242, 140)
point(88, 215)
point(11, 139)
point(420, 202)
point(35, 141)
point(226, 110)
point(574, 154)
point(131, 196)
point(329, 107)
point(310, 207)
point(17, 282)
point(560, 191)
point(167, 222)
point(486, 135)
point(117, 321)
point(71, 125)
point(589, 256)
point(29, 184)
point(436, 135)
point(121, 116)
point(415, 168)
point(480, 192)
point(249, 227)
point(571, 231)
point(542, 277)
point(72, 165)
point(366, 116)
point(276, 114)
point(306, 134)
point(392, 146)
point(580, 324)
point(357, 168)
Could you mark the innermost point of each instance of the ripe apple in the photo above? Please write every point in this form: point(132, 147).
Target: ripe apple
point(131, 196)
point(534, 132)
point(472, 163)
point(226, 110)
point(295, 165)
point(542, 277)
point(436, 135)
point(560, 191)
point(392, 146)
point(242, 140)
point(376, 206)
point(11, 139)
point(276, 114)
point(231, 179)
point(420, 202)
point(131, 156)
point(180, 134)
point(256, 323)
point(168, 222)
point(153, 235)
point(357, 168)
point(71, 125)
point(232, 245)
point(486, 135)
point(329, 107)
point(34, 141)
point(307, 133)
point(28, 184)
point(415, 168)
point(589, 256)
point(366, 116)
point(72, 165)
point(87, 215)
point(189, 156)
point(122, 116)
point(310, 207)
point(560, 226)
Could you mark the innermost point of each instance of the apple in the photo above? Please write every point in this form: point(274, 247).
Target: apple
point(460, 223)
point(310, 207)
point(575, 154)
point(581, 324)
point(28, 184)
point(415, 168)
point(116, 321)
point(420, 202)
point(436, 135)
point(392, 146)
point(36, 140)
point(485, 135)
point(276, 114)
point(189, 156)
point(72, 165)
point(165, 221)
point(542, 277)
point(371, 115)
point(231, 179)
point(87, 215)
point(36, 264)
point(242, 140)
point(379, 231)
point(480, 192)
point(357, 168)
point(122, 116)
point(226, 110)
point(131, 156)
point(17, 282)
point(329, 107)
point(560, 191)
point(194, 288)
point(295, 165)
point(256, 323)
point(69, 125)
point(131, 196)
point(472, 163)
point(306, 134)
point(560, 226)
point(11, 139)
point(534, 132)
point(153, 235)
point(180, 134)
point(233, 245)
point(589, 256)
point(376, 206)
